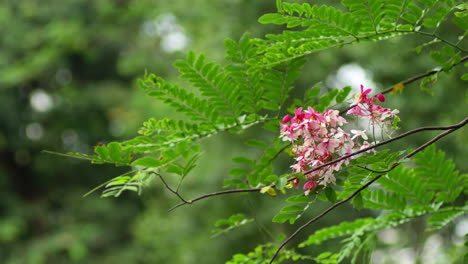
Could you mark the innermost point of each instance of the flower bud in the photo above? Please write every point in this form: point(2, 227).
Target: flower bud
point(381, 97)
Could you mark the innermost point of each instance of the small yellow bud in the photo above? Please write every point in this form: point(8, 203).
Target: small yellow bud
point(398, 88)
point(268, 189)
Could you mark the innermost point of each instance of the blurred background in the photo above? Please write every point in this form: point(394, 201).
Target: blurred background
point(68, 73)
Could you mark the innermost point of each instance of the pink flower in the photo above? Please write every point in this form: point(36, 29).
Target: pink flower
point(381, 97)
point(362, 97)
point(298, 115)
point(318, 138)
point(333, 118)
point(361, 133)
point(356, 110)
point(296, 182)
point(365, 107)
point(309, 186)
point(366, 145)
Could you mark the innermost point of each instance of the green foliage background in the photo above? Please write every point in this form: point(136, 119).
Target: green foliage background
point(86, 55)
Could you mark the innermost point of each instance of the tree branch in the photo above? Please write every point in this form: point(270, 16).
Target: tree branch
point(461, 124)
point(449, 128)
point(229, 191)
point(420, 76)
point(170, 189)
point(420, 148)
point(441, 39)
point(321, 215)
point(215, 194)
point(412, 79)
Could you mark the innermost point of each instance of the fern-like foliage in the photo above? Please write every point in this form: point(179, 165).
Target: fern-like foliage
point(226, 98)
point(180, 99)
point(407, 192)
point(226, 225)
point(253, 86)
point(325, 26)
point(262, 253)
point(212, 83)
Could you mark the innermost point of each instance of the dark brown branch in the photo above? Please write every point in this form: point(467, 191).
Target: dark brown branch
point(394, 165)
point(215, 194)
point(428, 143)
point(420, 76)
point(170, 189)
point(230, 191)
point(420, 148)
point(462, 123)
point(413, 79)
point(380, 171)
point(321, 215)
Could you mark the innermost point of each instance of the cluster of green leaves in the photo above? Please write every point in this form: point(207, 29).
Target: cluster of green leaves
point(428, 188)
point(242, 93)
point(227, 225)
point(177, 161)
point(298, 204)
point(325, 26)
point(229, 98)
point(324, 101)
point(253, 87)
point(263, 253)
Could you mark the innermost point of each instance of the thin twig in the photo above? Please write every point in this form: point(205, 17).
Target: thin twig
point(170, 189)
point(380, 171)
point(441, 135)
point(441, 39)
point(462, 123)
point(231, 191)
point(215, 194)
point(413, 79)
point(394, 165)
point(420, 148)
point(420, 76)
point(321, 215)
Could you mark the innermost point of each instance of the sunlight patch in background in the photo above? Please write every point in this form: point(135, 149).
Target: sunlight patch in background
point(41, 101)
point(34, 131)
point(354, 75)
point(165, 26)
point(389, 236)
point(69, 137)
point(351, 74)
point(63, 76)
point(434, 249)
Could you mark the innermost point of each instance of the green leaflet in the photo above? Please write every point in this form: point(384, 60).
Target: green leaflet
point(262, 253)
point(343, 229)
point(439, 175)
point(442, 218)
point(119, 184)
point(226, 225)
point(253, 86)
point(212, 83)
point(325, 27)
point(113, 153)
point(293, 212)
point(405, 193)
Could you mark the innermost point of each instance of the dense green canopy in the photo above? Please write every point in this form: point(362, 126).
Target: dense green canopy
point(68, 73)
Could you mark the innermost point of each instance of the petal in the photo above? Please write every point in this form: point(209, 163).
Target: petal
point(381, 97)
point(366, 92)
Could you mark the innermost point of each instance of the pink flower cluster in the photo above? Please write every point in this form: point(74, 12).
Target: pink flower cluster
point(365, 107)
point(318, 138)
